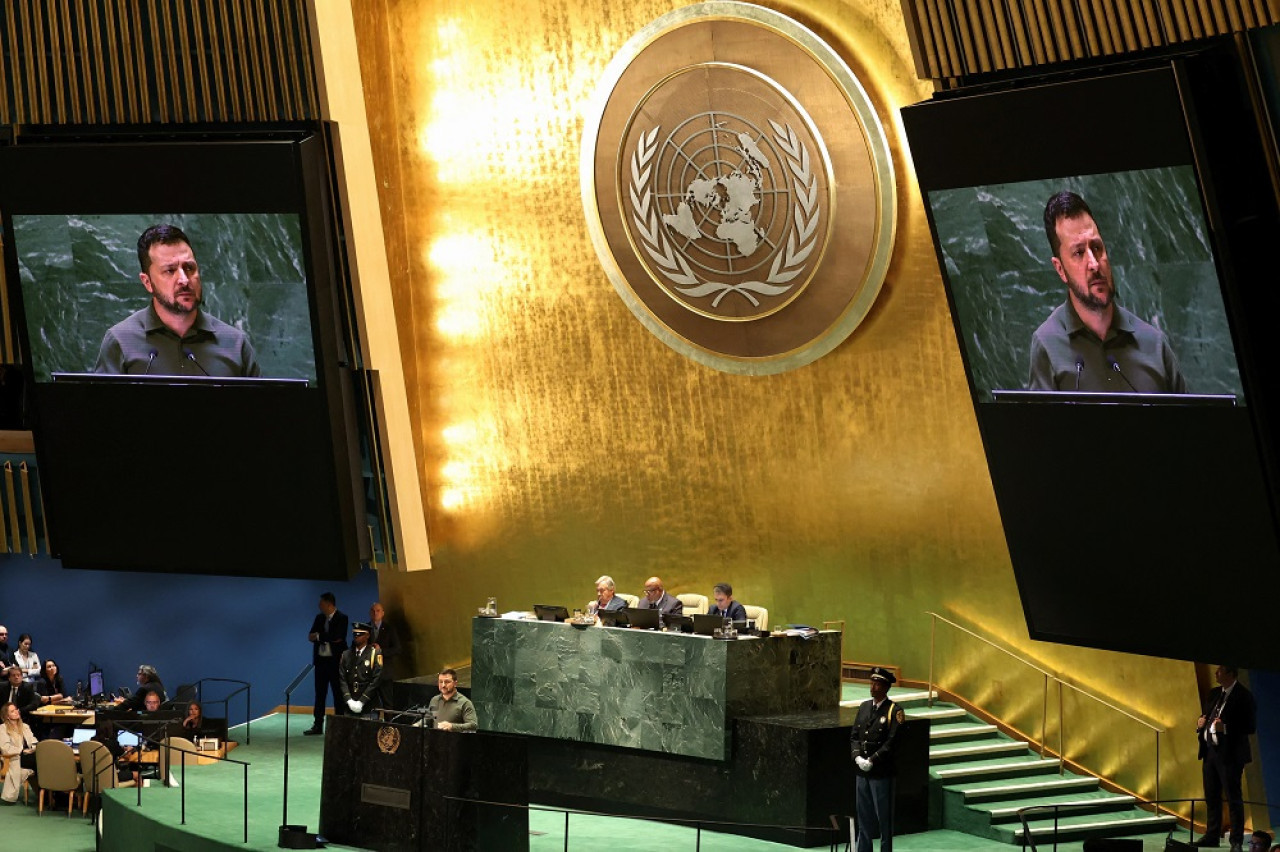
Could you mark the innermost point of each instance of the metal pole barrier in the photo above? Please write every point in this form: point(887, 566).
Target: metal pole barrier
point(933, 634)
point(566, 831)
point(182, 779)
point(246, 803)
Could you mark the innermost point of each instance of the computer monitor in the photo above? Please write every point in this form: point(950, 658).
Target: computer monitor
point(96, 686)
point(127, 739)
point(80, 735)
point(614, 618)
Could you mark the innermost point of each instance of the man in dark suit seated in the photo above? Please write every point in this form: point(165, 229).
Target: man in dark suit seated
point(725, 606)
point(656, 597)
point(1223, 730)
point(21, 693)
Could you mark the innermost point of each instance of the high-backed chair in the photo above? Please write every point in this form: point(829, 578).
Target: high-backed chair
point(632, 600)
point(174, 752)
point(759, 615)
point(98, 769)
point(694, 604)
point(56, 771)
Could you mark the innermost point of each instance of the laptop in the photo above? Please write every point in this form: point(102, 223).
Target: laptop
point(680, 623)
point(614, 618)
point(645, 619)
point(704, 624)
point(548, 612)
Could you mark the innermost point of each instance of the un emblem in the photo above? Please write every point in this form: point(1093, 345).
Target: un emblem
point(711, 188)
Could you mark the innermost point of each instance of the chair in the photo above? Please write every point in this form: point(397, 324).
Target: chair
point(184, 694)
point(174, 753)
point(98, 769)
point(759, 615)
point(694, 604)
point(632, 600)
point(56, 769)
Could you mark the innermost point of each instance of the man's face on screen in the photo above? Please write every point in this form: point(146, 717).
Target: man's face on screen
point(173, 278)
point(1082, 263)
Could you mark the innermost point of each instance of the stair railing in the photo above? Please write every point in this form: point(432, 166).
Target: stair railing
point(1049, 677)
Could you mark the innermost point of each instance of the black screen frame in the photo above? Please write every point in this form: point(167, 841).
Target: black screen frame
point(1122, 547)
point(265, 477)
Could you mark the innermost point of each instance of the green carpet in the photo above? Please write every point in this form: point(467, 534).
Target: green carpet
point(215, 801)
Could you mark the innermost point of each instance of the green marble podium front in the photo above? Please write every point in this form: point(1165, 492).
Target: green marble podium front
point(641, 689)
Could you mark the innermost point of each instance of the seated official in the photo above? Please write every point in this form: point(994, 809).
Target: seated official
point(20, 693)
point(606, 599)
point(17, 750)
point(50, 686)
point(656, 597)
point(148, 682)
point(451, 710)
point(725, 606)
point(193, 724)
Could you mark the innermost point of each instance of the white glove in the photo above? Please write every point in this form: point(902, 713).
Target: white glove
point(863, 763)
point(356, 706)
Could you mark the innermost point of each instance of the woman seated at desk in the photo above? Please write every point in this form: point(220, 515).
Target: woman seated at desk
point(193, 724)
point(50, 685)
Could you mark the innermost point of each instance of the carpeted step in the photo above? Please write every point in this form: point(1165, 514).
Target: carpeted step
point(991, 769)
point(972, 792)
point(937, 713)
point(975, 751)
point(966, 730)
point(1098, 801)
point(1084, 826)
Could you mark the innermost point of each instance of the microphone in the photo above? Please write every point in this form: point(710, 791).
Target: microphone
point(191, 356)
point(1115, 366)
point(1079, 370)
point(151, 359)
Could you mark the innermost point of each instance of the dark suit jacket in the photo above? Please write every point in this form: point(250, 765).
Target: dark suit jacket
point(1240, 716)
point(736, 611)
point(26, 698)
point(668, 604)
point(336, 636)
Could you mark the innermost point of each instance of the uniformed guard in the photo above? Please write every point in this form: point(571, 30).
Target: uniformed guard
point(872, 741)
point(360, 673)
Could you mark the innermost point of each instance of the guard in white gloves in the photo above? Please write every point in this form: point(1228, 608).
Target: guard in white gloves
point(872, 741)
point(360, 673)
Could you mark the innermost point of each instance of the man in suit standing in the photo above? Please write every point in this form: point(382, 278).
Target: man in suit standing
point(875, 731)
point(328, 640)
point(383, 634)
point(1223, 731)
point(656, 597)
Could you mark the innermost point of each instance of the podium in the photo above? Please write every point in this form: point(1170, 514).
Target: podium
point(387, 787)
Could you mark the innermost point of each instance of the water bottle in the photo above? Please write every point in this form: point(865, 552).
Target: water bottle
point(662, 622)
point(492, 606)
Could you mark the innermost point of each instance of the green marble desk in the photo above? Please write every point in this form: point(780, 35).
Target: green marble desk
point(641, 689)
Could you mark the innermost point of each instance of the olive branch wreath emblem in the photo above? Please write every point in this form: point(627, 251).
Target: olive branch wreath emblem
point(787, 264)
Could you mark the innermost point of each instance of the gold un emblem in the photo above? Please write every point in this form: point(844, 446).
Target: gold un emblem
point(711, 189)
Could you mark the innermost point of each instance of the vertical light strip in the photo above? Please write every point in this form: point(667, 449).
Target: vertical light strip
point(217, 30)
point(184, 47)
point(202, 43)
point(53, 50)
point(238, 81)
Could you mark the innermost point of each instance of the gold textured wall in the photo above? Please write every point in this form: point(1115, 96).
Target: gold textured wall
point(559, 440)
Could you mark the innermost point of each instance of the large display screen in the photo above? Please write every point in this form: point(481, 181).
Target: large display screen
point(1121, 378)
point(190, 397)
point(1156, 250)
point(80, 276)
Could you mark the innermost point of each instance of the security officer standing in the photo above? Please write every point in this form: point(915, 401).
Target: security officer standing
point(872, 741)
point(360, 673)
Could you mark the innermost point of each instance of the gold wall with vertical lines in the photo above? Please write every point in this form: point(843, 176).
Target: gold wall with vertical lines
point(155, 61)
point(956, 39)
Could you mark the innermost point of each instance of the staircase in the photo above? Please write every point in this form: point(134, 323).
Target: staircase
point(980, 779)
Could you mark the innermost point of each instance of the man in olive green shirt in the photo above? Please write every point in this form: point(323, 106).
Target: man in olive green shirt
point(172, 336)
point(1090, 343)
point(452, 710)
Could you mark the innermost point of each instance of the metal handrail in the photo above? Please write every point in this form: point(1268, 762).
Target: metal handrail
point(245, 687)
point(1048, 677)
